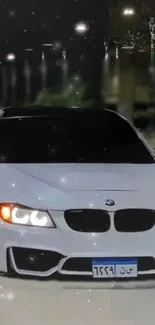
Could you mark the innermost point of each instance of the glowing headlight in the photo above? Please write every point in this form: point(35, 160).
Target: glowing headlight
point(25, 216)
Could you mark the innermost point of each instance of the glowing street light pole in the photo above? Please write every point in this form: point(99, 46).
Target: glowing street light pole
point(128, 12)
point(11, 57)
point(27, 75)
point(127, 94)
point(81, 28)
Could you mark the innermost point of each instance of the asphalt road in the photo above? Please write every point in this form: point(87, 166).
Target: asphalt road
point(30, 302)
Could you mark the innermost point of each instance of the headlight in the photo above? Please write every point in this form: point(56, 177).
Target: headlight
point(25, 216)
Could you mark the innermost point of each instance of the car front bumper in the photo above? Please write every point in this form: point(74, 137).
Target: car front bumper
point(71, 245)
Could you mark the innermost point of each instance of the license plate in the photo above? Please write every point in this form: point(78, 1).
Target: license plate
point(114, 268)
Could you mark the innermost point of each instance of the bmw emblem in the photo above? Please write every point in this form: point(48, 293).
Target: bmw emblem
point(110, 203)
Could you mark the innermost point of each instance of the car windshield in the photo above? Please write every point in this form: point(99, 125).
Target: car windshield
point(79, 136)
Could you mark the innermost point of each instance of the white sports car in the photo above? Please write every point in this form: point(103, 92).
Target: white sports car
point(77, 195)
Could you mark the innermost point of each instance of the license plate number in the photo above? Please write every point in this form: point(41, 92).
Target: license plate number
point(114, 268)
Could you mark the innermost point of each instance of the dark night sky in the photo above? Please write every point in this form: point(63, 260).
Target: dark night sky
point(29, 24)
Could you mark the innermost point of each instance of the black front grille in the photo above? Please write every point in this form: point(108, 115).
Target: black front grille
point(83, 264)
point(134, 220)
point(35, 260)
point(78, 264)
point(146, 263)
point(88, 220)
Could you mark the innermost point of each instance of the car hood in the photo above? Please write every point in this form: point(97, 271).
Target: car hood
point(91, 177)
point(61, 303)
point(72, 186)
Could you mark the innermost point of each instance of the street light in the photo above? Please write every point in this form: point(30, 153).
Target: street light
point(128, 12)
point(11, 57)
point(63, 63)
point(81, 28)
point(48, 44)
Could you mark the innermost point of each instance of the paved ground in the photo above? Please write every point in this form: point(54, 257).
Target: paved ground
point(24, 302)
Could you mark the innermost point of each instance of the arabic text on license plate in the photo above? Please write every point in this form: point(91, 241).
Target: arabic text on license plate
point(114, 268)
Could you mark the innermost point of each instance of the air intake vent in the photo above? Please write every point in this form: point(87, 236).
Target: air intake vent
point(35, 259)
